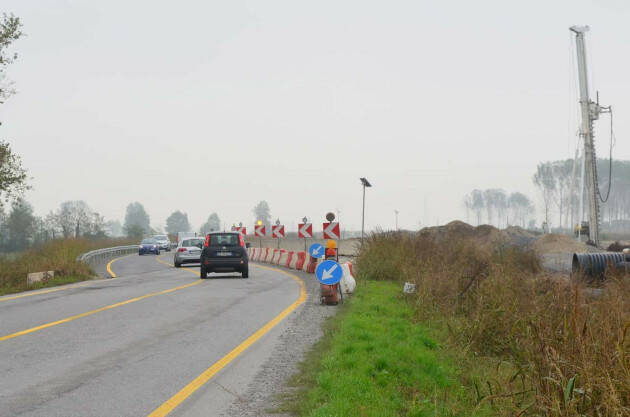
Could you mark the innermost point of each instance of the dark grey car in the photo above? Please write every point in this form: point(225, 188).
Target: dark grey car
point(224, 252)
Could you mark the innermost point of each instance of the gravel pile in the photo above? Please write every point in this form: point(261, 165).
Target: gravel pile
point(303, 330)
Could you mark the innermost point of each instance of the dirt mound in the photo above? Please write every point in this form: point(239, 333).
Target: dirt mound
point(554, 243)
point(484, 235)
point(617, 246)
point(487, 236)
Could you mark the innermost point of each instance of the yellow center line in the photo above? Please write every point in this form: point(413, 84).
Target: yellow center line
point(98, 310)
point(205, 376)
point(109, 266)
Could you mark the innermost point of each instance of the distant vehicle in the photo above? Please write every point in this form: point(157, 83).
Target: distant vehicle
point(148, 245)
point(224, 252)
point(184, 235)
point(163, 242)
point(188, 251)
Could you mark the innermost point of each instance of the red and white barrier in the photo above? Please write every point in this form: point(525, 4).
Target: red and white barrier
point(347, 283)
point(282, 259)
point(287, 263)
point(312, 265)
point(273, 257)
point(302, 261)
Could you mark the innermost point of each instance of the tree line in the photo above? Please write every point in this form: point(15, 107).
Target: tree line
point(496, 207)
point(20, 228)
point(559, 184)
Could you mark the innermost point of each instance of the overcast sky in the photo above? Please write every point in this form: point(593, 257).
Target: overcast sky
point(209, 106)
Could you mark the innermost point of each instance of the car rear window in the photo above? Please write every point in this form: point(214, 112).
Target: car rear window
point(148, 241)
point(224, 239)
point(192, 242)
point(161, 237)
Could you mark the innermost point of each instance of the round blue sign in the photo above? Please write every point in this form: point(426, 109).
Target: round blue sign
point(316, 250)
point(329, 272)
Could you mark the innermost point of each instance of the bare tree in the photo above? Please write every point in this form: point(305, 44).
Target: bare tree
point(545, 181)
point(74, 218)
point(478, 203)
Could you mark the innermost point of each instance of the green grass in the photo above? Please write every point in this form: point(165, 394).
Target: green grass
point(374, 360)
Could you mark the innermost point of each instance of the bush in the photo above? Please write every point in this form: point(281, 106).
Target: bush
point(567, 346)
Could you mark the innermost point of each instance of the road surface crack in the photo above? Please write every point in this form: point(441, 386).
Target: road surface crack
point(238, 397)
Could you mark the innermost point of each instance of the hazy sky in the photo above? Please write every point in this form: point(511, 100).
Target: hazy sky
point(209, 106)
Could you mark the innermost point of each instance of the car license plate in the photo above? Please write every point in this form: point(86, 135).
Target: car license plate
point(224, 253)
point(194, 251)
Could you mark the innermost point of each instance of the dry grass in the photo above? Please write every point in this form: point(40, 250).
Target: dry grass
point(57, 255)
point(558, 350)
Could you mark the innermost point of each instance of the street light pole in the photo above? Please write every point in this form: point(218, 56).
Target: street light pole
point(396, 211)
point(365, 184)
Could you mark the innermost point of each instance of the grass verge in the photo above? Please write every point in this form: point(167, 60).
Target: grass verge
point(57, 255)
point(375, 360)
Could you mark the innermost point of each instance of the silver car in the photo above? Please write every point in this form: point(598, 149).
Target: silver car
point(163, 242)
point(188, 251)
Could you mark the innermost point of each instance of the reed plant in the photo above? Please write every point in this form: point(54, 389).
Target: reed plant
point(557, 347)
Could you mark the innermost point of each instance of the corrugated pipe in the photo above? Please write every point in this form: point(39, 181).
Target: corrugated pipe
point(595, 265)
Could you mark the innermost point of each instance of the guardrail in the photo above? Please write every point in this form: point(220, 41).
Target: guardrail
point(100, 256)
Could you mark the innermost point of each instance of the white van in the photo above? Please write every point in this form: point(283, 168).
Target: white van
point(184, 235)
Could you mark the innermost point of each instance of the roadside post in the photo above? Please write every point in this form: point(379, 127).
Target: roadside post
point(329, 274)
point(305, 230)
point(332, 232)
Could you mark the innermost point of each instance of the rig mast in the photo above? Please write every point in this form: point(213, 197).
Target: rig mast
point(590, 111)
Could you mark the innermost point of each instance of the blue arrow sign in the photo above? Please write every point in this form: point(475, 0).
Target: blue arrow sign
point(316, 250)
point(329, 272)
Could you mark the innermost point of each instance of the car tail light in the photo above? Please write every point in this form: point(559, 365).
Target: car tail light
point(181, 250)
point(241, 241)
point(207, 243)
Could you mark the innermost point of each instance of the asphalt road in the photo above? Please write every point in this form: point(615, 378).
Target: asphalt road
point(124, 346)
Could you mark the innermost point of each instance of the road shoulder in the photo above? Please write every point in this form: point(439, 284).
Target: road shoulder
point(302, 330)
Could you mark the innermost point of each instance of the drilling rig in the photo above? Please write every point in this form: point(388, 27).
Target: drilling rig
point(589, 111)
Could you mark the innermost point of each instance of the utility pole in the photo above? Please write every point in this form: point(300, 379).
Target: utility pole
point(589, 112)
point(365, 183)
